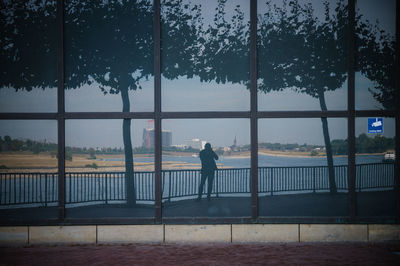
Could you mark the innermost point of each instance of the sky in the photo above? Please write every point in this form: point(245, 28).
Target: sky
point(192, 95)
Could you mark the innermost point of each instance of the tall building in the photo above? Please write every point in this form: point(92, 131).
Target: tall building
point(148, 138)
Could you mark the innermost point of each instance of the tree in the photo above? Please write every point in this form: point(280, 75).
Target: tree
point(92, 153)
point(28, 44)
point(376, 61)
point(305, 54)
point(225, 48)
point(108, 44)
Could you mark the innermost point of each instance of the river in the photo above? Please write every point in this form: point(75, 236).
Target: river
point(265, 160)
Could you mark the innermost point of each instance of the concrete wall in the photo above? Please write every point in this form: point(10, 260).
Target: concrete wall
point(223, 233)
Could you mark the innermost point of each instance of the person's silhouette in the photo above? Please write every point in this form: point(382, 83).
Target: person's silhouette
point(208, 167)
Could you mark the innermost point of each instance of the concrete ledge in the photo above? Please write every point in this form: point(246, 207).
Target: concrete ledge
point(384, 232)
point(130, 233)
point(62, 234)
point(22, 235)
point(13, 235)
point(198, 233)
point(265, 233)
point(333, 232)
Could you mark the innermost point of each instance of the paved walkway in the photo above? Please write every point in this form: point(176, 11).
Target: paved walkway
point(205, 254)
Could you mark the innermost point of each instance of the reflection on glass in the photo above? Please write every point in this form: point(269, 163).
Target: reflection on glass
point(376, 71)
point(109, 55)
point(28, 170)
point(205, 55)
point(28, 59)
point(302, 59)
point(206, 168)
point(375, 166)
point(302, 167)
point(109, 169)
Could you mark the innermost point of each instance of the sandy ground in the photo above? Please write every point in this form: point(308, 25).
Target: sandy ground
point(205, 254)
point(44, 162)
point(24, 162)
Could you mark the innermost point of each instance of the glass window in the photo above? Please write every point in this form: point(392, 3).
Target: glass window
point(28, 69)
point(375, 166)
point(302, 167)
point(205, 55)
point(302, 57)
point(201, 180)
point(28, 170)
point(109, 169)
point(109, 56)
point(376, 71)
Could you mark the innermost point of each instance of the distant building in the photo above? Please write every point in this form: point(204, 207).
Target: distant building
point(148, 138)
point(196, 143)
point(234, 147)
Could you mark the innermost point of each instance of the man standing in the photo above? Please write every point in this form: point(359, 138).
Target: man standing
point(208, 167)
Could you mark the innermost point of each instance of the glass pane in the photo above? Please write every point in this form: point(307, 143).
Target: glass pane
point(28, 170)
point(28, 69)
point(109, 170)
point(188, 166)
point(302, 58)
point(376, 71)
point(109, 55)
point(375, 166)
point(205, 55)
point(302, 167)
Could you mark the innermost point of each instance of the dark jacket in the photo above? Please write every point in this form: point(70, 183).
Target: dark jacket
point(208, 158)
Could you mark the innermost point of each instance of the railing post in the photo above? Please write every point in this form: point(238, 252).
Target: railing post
point(70, 186)
point(45, 190)
point(106, 188)
point(216, 183)
point(360, 177)
point(313, 179)
point(272, 181)
point(169, 186)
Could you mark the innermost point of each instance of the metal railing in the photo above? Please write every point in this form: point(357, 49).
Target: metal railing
point(28, 188)
point(109, 187)
point(106, 187)
point(303, 178)
point(185, 183)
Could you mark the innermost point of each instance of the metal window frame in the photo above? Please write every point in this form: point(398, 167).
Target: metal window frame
point(253, 115)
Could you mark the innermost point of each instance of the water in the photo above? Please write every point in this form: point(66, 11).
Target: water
point(265, 160)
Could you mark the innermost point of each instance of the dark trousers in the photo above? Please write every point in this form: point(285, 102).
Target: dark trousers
point(204, 175)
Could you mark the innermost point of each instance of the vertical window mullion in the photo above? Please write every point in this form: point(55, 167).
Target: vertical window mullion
point(253, 109)
point(397, 130)
point(157, 110)
point(60, 109)
point(351, 172)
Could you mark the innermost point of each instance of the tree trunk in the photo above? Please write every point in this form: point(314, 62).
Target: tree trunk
point(126, 133)
point(328, 147)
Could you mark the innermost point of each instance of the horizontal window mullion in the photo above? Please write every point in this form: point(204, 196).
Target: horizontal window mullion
point(28, 116)
point(366, 113)
point(109, 115)
point(301, 114)
point(171, 115)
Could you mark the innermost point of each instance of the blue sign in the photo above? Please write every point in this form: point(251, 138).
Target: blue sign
point(375, 125)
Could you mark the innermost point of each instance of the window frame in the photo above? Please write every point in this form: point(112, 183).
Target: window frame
point(253, 115)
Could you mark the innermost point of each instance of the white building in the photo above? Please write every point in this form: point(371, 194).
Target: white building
point(196, 143)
